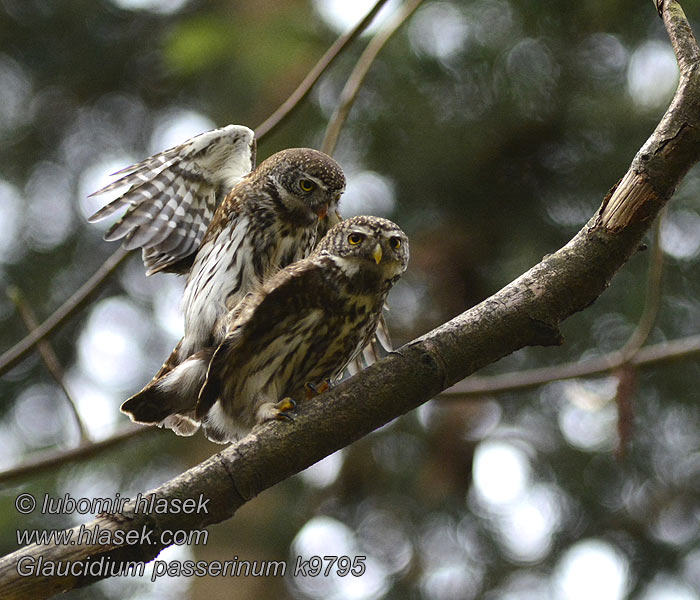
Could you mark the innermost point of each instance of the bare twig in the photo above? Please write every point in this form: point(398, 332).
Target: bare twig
point(624, 401)
point(625, 374)
point(663, 352)
point(53, 365)
point(79, 299)
point(354, 82)
point(631, 353)
point(652, 298)
point(50, 459)
point(318, 69)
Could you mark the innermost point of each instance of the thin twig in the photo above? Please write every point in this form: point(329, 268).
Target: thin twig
point(53, 365)
point(318, 69)
point(354, 82)
point(652, 299)
point(625, 374)
point(50, 459)
point(79, 299)
point(662, 352)
point(630, 354)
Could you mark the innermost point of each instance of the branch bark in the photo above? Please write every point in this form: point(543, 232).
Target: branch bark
point(526, 312)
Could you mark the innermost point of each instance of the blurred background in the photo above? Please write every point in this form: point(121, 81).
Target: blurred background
point(490, 130)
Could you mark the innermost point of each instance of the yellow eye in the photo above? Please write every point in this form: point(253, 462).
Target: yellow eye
point(355, 238)
point(306, 185)
point(395, 243)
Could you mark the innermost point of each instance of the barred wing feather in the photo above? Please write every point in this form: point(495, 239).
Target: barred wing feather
point(171, 197)
point(378, 347)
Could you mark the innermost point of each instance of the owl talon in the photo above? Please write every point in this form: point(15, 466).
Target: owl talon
point(283, 409)
point(313, 389)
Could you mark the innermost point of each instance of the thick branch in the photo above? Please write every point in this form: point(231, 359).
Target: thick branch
point(526, 312)
point(648, 356)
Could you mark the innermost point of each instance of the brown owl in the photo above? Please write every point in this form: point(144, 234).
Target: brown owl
point(193, 209)
point(303, 326)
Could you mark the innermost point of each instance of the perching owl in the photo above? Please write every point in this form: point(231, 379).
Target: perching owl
point(303, 326)
point(198, 209)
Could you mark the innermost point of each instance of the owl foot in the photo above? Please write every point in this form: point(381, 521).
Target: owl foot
point(276, 411)
point(283, 409)
point(313, 389)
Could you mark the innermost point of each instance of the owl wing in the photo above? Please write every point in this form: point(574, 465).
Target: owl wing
point(378, 347)
point(171, 196)
point(262, 321)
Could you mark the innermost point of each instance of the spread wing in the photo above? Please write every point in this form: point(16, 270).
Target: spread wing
point(171, 197)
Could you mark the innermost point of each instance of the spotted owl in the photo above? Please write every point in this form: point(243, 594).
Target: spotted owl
point(300, 328)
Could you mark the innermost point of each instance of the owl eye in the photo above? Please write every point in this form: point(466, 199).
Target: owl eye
point(306, 185)
point(355, 238)
point(395, 243)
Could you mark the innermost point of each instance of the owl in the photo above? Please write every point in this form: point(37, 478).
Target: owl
point(300, 328)
point(199, 209)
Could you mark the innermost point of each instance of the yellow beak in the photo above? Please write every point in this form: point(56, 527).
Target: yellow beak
point(377, 254)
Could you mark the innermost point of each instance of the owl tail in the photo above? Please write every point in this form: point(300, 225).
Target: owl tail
point(169, 400)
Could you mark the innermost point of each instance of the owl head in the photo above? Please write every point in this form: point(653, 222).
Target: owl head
point(307, 183)
point(367, 243)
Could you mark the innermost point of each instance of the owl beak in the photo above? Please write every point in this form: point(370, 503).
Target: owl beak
point(377, 254)
point(321, 211)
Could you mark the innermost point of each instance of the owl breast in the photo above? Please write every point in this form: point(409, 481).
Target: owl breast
point(230, 265)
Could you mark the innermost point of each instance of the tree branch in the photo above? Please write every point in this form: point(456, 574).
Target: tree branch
point(668, 351)
point(354, 82)
point(528, 311)
point(79, 299)
point(53, 365)
point(318, 69)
